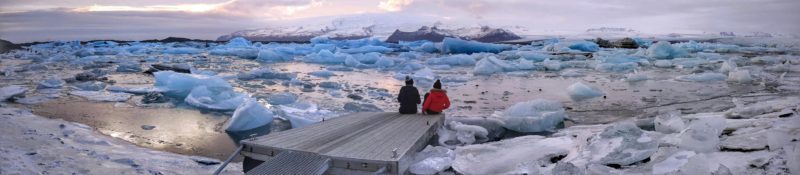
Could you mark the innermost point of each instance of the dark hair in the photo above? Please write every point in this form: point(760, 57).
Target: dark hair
point(437, 84)
point(409, 81)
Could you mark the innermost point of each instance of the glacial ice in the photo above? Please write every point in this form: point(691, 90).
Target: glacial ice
point(579, 91)
point(621, 144)
point(322, 73)
point(520, 155)
point(90, 86)
point(102, 96)
point(8, 92)
point(584, 46)
point(740, 76)
point(270, 55)
point(670, 122)
point(431, 160)
point(456, 46)
point(326, 57)
point(673, 163)
point(51, 83)
point(456, 133)
point(179, 85)
point(367, 49)
point(129, 67)
point(281, 98)
point(665, 50)
point(302, 114)
point(131, 90)
point(533, 56)
point(249, 115)
point(491, 65)
point(215, 98)
point(182, 50)
point(453, 60)
point(663, 64)
point(361, 107)
point(265, 73)
point(702, 134)
point(537, 115)
point(702, 77)
point(636, 76)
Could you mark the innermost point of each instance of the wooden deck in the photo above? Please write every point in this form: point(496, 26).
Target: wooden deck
point(359, 142)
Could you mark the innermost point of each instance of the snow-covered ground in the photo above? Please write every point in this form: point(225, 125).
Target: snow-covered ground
point(562, 105)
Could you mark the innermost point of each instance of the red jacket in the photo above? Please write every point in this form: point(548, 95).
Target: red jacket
point(437, 101)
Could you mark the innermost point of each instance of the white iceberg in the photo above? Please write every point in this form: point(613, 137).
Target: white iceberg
point(521, 155)
point(432, 160)
point(537, 115)
point(248, 115)
point(179, 85)
point(214, 98)
point(579, 91)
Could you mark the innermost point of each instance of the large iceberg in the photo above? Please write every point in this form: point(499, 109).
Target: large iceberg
point(453, 60)
point(537, 115)
point(579, 91)
point(248, 115)
point(664, 50)
point(214, 98)
point(455, 46)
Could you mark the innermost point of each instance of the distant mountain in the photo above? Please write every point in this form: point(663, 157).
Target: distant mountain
point(435, 34)
point(374, 25)
point(610, 30)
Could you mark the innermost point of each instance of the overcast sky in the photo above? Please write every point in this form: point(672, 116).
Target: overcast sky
point(42, 20)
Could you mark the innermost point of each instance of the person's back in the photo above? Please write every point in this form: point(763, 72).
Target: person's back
point(436, 100)
point(408, 98)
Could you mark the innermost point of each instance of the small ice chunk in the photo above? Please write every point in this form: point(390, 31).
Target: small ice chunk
point(702, 77)
point(265, 73)
point(330, 85)
point(8, 92)
point(520, 155)
point(635, 77)
point(322, 73)
point(102, 96)
point(51, 83)
point(281, 98)
point(552, 65)
point(673, 163)
point(621, 144)
point(740, 76)
point(302, 114)
point(131, 90)
point(249, 115)
point(326, 57)
point(783, 133)
point(579, 91)
point(537, 115)
point(702, 134)
point(663, 64)
point(533, 56)
point(91, 86)
point(456, 46)
point(727, 66)
point(453, 60)
point(271, 55)
point(431, 160)
point(458, 134)
point(361, 107)
point(670, 122)
point(214, 98)
point(367, 49)
point(492, 65)
point(129, 67)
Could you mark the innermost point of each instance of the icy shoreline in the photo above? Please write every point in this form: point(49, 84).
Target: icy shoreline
point(32, 144)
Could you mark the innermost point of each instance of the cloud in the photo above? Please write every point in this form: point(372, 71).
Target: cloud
point(394, 5)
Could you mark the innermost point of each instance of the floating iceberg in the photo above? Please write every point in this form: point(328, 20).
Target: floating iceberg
point(521, 155)
point(585, 46)
point(179, 85)
point(302, 114)
point(367, 49)
point(453, 60)
point(249, 115)
point(281, 98)
point(491, 65)
point(533, 56)
point(8, 92)
point(326, 57)
point(670, 122)
point(664, 50)
point(51, 83)
point(129, 67)
point(537, 115)
point(455, 46)
point(702, 77)
point(182, 50)
point(214, 98)
point(456, 133)
point(580, 91)
point(673, 163)
point(102, 96)
point(270, 55)
point(265, 73)
point(740, 76)
point(621, 144)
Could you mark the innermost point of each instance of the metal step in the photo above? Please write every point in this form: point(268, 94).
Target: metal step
point(293, 162)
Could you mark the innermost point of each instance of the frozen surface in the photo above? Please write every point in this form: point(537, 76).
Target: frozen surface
point(43, 145)
point(521, 155)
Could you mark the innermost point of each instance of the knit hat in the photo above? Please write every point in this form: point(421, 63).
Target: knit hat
point(409, 81)
point(437, 84)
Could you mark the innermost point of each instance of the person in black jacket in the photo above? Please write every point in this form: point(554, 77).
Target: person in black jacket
point(408, 97)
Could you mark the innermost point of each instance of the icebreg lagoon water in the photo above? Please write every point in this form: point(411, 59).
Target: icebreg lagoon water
point(498, 92)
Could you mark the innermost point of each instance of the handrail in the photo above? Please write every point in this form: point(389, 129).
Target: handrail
point(230, 158)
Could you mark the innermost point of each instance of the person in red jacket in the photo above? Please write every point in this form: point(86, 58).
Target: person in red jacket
point(436, 100)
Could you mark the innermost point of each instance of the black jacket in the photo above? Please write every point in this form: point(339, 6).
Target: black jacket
point(409, 99)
